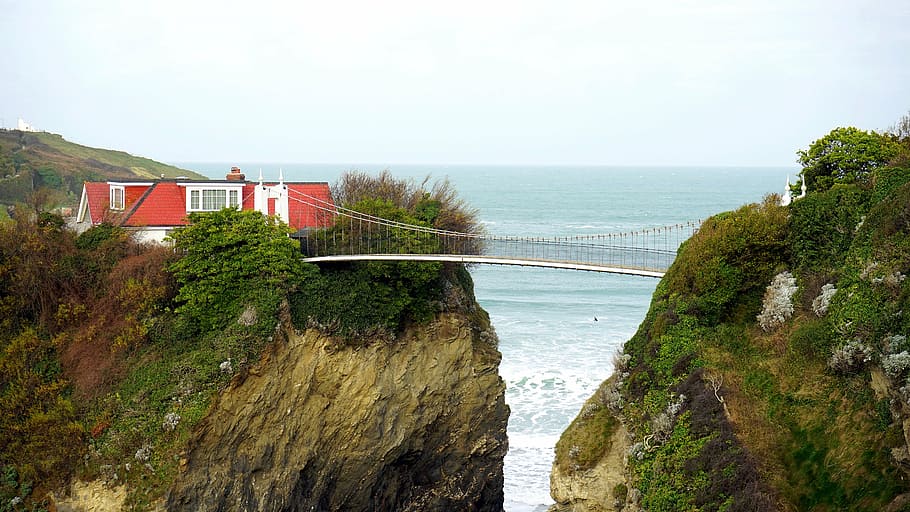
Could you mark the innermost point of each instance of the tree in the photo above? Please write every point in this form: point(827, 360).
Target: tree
point(437, 206)
point(901, 129)
point(228, 257)
point(846, 155)
point(39, 433)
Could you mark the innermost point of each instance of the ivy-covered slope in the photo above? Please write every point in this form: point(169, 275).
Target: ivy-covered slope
point(771, 371)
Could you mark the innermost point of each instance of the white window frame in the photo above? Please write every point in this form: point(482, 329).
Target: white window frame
point(206, 198)
point(117, 199)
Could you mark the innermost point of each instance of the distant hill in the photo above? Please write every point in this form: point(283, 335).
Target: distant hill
point(30, 161)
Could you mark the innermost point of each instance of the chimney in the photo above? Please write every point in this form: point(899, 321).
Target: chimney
point(236, 175)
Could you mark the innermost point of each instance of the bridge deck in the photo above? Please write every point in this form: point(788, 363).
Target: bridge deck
point(493, 260)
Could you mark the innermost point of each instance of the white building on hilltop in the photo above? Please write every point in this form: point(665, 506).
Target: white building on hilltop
point(25, 127)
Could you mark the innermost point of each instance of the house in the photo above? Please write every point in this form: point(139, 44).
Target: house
point(153, 208)
point(25, 127)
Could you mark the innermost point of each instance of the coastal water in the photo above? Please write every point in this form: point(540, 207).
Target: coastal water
point(559, 329)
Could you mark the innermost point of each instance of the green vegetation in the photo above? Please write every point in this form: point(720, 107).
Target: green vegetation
point(437, 206)
point(44, 171)
point(226, 256)
point(589, 435)
point(846, 156)
point(727, 415)
point(139, 166)
point(364, 300)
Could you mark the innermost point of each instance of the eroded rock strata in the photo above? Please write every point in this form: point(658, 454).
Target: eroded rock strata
point(418, 423)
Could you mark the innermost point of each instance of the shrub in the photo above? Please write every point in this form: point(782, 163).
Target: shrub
point(859, 310)
point(896, 365)
point(887, 180)
point(850, 357)
point(438, 205)
point(820, 304)
point(39, 434)
point(729, 260)
point(894, 344)
point(96, 236)
point(227, 256)
point(812, 338)
point(777, 306)
point(360, 300)
point(823, 225)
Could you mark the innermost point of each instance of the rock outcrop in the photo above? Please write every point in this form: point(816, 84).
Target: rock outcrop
point(598, 489)
point(418, 423)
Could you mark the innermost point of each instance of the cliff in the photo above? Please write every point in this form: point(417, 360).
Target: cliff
point(771, 371)
point(414, 424)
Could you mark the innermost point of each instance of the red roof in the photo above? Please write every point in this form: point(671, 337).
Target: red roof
point(98, 197)
point(163, 203)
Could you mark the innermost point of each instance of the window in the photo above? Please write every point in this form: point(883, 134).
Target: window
point(212, 199)
point(116, 201)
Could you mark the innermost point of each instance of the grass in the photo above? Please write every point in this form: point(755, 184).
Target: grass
point(819, 439)
point(587, 438)
point(174, 374)
point(141, 166)
point(665, 480)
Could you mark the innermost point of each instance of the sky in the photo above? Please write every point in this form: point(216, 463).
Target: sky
point(664, 82)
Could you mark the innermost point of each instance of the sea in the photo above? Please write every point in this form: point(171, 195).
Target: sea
point(558, 329)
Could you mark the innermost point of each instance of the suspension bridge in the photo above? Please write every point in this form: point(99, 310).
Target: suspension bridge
point(347, 235)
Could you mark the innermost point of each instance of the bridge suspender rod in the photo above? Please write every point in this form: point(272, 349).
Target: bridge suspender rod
point(647, 249)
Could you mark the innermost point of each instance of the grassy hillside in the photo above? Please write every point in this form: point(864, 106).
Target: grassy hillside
point(30, 162)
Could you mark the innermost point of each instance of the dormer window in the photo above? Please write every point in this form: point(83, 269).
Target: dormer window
point(212, 199)
point(117, 198)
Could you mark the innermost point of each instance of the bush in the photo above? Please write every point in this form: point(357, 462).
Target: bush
point(364, 299)
point(896, 365)
point(438, 205)
point(852, 357)
point(729, 260)
point(823, 225)
point(225, 257)
point(862, 311)
point(39, 434)
point(777, 306)
point(820, 304)
point(812, 338)
point(887, 180)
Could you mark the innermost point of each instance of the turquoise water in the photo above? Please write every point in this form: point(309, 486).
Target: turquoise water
point(554, 352)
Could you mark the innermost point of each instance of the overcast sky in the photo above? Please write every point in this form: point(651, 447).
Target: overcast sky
point(489, 82)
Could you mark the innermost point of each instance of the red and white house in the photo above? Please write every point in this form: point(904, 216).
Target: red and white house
point(153, 208)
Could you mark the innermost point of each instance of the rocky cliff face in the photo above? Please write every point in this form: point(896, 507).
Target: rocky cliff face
point(418, 423)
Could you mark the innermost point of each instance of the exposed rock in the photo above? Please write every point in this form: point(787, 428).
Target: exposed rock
point(901, 502)
point(416, 424)
point(92, 496)
point(592, 490)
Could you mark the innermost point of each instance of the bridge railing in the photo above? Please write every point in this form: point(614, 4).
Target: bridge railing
point(347, 232)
